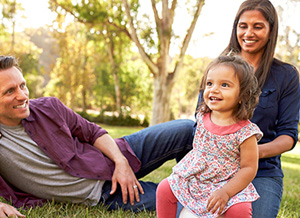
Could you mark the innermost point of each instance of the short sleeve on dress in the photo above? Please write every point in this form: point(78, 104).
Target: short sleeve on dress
point(248, 131)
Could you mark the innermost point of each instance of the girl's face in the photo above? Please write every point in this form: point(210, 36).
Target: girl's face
point(253, 31)
point(222, 89)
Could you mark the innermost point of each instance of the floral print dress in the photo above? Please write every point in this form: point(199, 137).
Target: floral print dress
point(213, 161)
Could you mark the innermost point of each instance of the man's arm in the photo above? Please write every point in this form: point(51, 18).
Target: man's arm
point(123, 174)
point(9, 211)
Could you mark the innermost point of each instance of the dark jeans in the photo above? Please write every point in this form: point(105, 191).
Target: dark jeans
point(153, 146)
point(270, 190)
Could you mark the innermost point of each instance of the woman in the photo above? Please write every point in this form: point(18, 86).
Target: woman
point(254, 37)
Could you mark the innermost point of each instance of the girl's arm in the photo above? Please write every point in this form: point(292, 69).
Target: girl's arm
point(247, 172)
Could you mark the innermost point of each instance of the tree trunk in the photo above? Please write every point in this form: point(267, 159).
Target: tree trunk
point(114, 68)
point(118, 91)
point(164, 72)
point(84, 105)
point(161, 99)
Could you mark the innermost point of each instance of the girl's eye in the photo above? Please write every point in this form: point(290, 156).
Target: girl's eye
point(208, 84)
point(225, 85)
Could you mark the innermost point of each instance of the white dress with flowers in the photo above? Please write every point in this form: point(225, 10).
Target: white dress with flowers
point(213, 161)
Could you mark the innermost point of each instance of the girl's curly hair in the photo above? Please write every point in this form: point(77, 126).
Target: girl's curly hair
point(249, 90)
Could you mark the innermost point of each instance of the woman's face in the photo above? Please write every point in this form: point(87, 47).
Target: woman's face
point(253, 31)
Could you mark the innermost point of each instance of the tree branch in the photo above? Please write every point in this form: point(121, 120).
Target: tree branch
point(80, 20)
point(153, 68)
point(188, 37)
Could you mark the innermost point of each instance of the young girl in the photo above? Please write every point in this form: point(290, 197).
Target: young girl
point(215, 177)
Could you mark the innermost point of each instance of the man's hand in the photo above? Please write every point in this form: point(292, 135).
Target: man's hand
point(124, 175)
point(9, 211)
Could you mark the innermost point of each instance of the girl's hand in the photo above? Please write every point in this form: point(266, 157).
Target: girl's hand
point(217, 201)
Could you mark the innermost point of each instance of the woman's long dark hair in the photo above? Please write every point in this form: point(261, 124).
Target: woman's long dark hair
point(270, 14)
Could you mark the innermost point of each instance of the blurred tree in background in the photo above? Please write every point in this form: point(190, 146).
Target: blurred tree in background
point(113, 57)
point(121, 18)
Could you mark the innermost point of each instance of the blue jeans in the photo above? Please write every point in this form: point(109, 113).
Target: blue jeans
point(153, 146)
point(270, 190)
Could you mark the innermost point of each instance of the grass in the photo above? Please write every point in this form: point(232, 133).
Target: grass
point(290, 205)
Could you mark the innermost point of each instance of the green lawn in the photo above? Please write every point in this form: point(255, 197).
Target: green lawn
point(290, 204)
point(290, 207)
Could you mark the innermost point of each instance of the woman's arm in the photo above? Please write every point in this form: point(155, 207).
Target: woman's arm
point(247, 172)
point(276, 147)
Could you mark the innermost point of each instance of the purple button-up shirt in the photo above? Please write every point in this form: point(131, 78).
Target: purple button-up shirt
point(68, 140)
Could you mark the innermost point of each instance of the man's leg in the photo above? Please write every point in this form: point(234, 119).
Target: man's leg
point(270, 191)
point(115, 201)
point(162, 142)
point(153, 146)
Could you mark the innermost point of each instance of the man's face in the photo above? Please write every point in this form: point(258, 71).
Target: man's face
point(14, 97)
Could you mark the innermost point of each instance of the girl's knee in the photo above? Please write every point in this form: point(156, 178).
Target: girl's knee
point(163, 189)
point(166, 202)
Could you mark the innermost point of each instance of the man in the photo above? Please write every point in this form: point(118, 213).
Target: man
point(49, 152)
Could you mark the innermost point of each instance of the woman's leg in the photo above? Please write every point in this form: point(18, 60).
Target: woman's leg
point(166, 202)
point(270, 191)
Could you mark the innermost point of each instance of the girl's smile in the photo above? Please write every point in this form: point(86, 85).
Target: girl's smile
point(222, 89)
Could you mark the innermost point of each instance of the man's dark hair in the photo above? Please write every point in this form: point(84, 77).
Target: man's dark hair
point(7, 62)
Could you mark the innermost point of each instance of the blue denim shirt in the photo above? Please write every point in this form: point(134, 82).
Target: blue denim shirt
point(68, 140)
point(277, 112)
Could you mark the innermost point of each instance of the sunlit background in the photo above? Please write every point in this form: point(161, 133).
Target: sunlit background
point(209, 38)
point(58, 55)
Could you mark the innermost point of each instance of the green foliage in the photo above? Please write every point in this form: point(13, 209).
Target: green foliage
point(72, 77)
point(9, 9)
point(136, 86)
point(186, 91)
point(114, 120)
